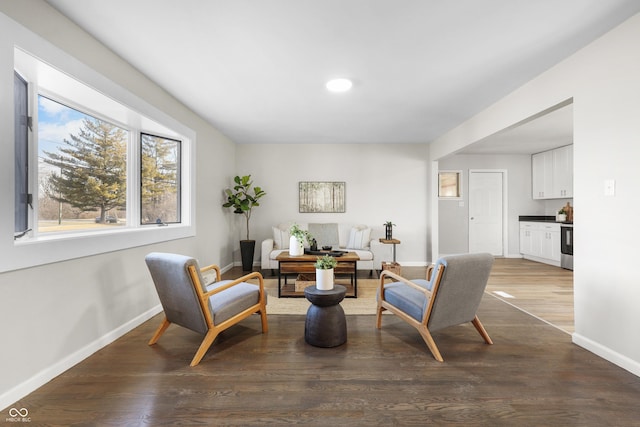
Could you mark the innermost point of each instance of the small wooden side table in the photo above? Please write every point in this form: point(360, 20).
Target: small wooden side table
point(326, 325)
point(393, 242)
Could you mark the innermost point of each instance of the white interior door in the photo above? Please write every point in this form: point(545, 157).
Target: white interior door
point(485, 212)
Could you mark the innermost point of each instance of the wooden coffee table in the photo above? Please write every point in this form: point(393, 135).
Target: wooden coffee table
point(304, 264)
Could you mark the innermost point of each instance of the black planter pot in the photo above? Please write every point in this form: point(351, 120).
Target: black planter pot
point(247, 248)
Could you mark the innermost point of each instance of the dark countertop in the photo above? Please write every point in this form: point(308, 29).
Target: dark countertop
point(541, 218)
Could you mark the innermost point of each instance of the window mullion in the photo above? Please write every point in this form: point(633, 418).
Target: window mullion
point(133, 179)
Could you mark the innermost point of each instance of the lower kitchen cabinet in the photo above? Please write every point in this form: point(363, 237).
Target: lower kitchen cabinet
point(540, 241)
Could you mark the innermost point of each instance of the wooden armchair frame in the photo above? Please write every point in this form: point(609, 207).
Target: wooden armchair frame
point(203, 297)
point(423, 325)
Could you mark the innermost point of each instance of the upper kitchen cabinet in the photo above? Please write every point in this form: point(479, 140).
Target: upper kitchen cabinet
point(563, 172)
point(552, 174)
point(542, 175)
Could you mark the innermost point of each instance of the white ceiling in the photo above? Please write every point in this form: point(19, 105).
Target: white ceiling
point(549, 129)
point(256, 69)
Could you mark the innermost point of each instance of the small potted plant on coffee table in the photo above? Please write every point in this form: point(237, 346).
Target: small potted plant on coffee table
point(324, 272)
point(298, 239)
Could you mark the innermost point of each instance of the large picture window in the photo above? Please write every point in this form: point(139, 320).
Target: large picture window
point(97, 168)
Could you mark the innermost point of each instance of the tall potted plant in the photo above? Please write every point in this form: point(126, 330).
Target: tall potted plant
point(243, 198)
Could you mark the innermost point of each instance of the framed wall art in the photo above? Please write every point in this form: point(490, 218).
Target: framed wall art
point(321, 197)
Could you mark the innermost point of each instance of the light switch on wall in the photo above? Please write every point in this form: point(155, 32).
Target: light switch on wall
point(609, 187)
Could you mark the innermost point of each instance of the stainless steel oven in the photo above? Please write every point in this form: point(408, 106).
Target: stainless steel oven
point(566, 248)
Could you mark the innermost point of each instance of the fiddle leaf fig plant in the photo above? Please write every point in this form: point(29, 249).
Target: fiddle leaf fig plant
point(244, 197)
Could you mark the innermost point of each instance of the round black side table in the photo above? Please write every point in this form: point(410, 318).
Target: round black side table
point(326, 324)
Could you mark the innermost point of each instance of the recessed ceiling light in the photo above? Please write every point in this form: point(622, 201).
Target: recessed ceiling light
point(339, 85)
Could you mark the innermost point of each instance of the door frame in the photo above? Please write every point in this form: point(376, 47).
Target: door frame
point(505, 207)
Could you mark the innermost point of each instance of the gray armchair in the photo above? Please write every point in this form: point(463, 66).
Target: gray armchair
point(450, 296)
point(209, 309)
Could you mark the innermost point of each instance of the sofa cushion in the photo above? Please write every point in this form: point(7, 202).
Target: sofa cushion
point(359, 238)
point(363, 254)
point(281, 238)
point(274, 253)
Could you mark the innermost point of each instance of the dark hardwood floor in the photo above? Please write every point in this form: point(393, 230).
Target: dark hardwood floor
point(532, 376)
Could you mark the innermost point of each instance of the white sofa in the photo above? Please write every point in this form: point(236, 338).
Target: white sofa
point(356, 238)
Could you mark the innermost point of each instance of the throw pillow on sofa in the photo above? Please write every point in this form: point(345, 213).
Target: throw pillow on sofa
point(280, 238)
point(359, 238)
point(325, 234)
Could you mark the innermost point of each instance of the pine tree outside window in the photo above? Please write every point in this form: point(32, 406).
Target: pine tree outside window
point(82, 170)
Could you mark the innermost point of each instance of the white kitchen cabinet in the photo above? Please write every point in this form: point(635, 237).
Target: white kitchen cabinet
point(552, 174)
point(526, 238)
point(542, 175)
point(550, 242)
point(540, 241)
point(563, 172)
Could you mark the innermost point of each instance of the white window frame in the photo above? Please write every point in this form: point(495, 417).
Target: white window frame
point(38, 249)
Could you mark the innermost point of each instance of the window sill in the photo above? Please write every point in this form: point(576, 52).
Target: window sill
point(26, 253)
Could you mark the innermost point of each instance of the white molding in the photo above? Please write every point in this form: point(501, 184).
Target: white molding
point(606, 353)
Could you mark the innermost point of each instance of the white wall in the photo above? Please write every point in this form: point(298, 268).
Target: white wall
point(55, 315)
point(454, 219)
point(604, 81)
point(384, 182)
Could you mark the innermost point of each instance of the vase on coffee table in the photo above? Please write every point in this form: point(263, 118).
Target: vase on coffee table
point(296, 247)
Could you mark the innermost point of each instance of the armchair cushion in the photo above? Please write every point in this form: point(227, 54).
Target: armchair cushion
point(232, 301)
point(407, 299)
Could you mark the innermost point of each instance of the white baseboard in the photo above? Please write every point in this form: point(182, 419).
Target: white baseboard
point(514, 256)
point(49, 373)
point(228, 267)
point(542, 260)
point(606, 353)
